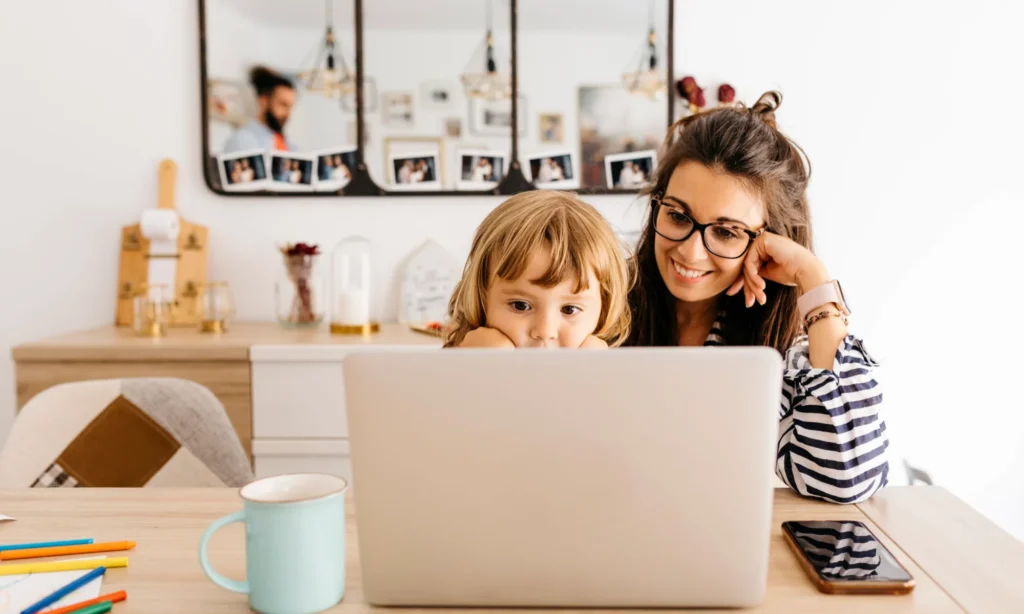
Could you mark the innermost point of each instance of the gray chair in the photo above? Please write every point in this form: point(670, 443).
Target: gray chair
point(915, 475)
point(152, 432)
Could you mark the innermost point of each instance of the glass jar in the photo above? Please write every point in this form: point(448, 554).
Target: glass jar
point(351, 290)
point(151, 310)
point(299, 291)
point(216, 307)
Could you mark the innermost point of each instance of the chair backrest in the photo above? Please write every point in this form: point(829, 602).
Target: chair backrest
point(916, 476)
point(124, 433)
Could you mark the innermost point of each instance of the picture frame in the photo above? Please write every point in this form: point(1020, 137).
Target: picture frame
point(471, 165)
point(551, 127)
point(617, 176)
point(290, 172)
point(438, 95)
point(334, 168)
point(235, 167)
point(370, 96)
point(230, 102)
point(396, 109)
point(405, 168)
point(494, 117)
point(453, 127)
point(400, 148)
point(554, 170)
point(612, 120)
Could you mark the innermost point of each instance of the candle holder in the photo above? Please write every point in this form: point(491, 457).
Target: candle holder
point(216, 307)
point(350, 309)
point(151, 310)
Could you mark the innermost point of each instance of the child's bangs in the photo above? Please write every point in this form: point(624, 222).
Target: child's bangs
point(570, 255)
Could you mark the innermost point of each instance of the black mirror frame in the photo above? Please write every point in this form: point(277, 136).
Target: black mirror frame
point(362, 184)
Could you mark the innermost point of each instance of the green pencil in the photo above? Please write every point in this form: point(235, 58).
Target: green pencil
point(96, 608)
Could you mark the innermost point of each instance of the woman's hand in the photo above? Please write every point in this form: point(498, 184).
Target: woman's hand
point(593, 343)
point(779, 259)
point(484, 337)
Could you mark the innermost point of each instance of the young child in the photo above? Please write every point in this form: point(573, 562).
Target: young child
point(545, 271)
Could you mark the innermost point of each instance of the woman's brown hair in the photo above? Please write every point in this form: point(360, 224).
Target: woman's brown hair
point(745, 144)
point(578, 238)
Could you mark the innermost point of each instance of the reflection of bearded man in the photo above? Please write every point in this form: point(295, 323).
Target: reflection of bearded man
point(275, 97)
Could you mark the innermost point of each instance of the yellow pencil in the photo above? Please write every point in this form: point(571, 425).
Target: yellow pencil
point(73, 565)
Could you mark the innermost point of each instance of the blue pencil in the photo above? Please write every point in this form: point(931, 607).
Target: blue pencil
point(64, 591)
point(66, 542)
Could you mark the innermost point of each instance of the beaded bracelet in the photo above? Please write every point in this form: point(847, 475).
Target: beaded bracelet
point(821, 315)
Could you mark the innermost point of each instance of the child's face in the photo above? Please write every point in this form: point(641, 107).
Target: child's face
point(534, 316)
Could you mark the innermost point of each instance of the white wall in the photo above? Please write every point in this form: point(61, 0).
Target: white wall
point(908, 111)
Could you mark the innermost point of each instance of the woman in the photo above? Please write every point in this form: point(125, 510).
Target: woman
point(248, 174)
point(725, 259)
point(483, 170)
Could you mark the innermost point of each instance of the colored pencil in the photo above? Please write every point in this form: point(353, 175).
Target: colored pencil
point(66, 542)
point(75, 607)
point(73, 565)
point(32, 553)
point(64, 591)
point(99, 608)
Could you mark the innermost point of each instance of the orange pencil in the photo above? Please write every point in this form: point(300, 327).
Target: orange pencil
point(32, 553)
point(113, 597)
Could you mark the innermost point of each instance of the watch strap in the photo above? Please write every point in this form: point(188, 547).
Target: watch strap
point(818, 296)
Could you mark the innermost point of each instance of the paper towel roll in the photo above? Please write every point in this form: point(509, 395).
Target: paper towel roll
point(161, 227)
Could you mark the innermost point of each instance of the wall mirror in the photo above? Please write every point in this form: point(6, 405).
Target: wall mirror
point(279, 94)
point(596, 86)
point(456, 97)
point(443, 71)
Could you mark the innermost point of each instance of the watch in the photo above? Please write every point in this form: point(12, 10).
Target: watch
point(828, 292)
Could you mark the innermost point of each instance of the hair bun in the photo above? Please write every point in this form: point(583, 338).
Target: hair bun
point(260, 75)
point(766, 106)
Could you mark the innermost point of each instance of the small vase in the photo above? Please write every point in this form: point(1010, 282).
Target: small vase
point(300, 292)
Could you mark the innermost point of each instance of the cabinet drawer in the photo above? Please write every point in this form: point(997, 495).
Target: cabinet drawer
point(298, 399)
point(299, 391)
point(275, 457)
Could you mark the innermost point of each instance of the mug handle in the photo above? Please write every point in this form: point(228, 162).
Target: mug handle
point(238, 586)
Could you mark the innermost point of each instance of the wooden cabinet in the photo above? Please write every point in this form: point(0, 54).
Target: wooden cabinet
point(282, 388)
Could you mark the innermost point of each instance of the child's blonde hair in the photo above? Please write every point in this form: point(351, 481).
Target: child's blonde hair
point(577, 236)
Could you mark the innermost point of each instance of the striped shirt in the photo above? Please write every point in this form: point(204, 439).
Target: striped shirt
point(832, 442)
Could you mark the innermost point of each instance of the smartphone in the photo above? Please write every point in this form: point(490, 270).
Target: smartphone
point(842, 556)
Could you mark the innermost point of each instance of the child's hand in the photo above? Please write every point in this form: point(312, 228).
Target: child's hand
point(484, 337)
point(594, 343)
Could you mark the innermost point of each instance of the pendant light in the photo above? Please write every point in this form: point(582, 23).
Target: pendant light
point(489, 83)
point(330, 74)
point(645, 79)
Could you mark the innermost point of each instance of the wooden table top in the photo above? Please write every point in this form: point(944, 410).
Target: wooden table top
point(111, 343)
point(958, 558)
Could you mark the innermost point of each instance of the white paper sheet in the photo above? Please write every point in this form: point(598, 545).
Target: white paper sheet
point(19, 592)
point(6, 518)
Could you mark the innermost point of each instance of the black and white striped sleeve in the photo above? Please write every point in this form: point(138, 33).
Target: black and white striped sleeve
point(832, 440)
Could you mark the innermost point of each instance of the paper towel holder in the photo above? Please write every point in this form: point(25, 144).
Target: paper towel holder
point(190, 260)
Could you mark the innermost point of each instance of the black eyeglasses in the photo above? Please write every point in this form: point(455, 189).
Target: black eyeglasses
point(723, 240)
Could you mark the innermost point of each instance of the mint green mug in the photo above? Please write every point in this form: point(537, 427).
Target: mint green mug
point(294, 543)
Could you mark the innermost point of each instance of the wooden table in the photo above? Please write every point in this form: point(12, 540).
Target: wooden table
point(960, 560)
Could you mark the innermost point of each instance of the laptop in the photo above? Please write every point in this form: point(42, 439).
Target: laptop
point(638, 477)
